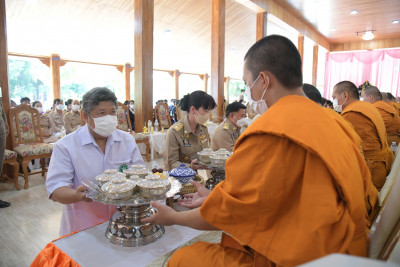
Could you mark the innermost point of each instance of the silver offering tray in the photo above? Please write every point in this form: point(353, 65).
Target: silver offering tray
point(125, 227)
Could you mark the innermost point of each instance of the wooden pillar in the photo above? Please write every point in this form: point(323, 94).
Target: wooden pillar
point(218, 54)
point(144, 24)
point(55, 75)
point(261, 25)
point(127, 74)
point(315, 65)
point(5, 92)
point(300, 46)
point(205, 82)
point(226, 89)
point(176, 83)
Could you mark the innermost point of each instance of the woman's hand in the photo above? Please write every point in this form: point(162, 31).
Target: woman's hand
point(80, 193)
point(195, 200)
point(195, 166)
point(165, 215)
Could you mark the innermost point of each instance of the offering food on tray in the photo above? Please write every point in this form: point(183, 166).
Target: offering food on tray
point(107, 176)
point(119, 188)
point(204, 155)
point(153, 187)
point(183, 174)
point(139, 170)
point(134, 177)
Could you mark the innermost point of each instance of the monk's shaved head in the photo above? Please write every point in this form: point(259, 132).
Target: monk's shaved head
point(374, 92)
point(391, 97)
point(385, 97)
point(278, 55)
point(349, 87)
point(312, 93)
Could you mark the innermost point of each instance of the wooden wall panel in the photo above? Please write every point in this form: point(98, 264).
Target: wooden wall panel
point(366, 45)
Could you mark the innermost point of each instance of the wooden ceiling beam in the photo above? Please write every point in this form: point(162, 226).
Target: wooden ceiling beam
point(366, 45)
point(300, 24)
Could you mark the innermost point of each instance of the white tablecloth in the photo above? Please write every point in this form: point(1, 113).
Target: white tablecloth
point(343, 260)
point(157, 144)
point(91, 248)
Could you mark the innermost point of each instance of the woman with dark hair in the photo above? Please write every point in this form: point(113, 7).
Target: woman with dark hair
point(189, 135)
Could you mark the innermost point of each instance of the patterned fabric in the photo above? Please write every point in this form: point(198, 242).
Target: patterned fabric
point(33, 149)
point(26, 126)
point(163, 116)
point(8, 154)
point(122, 121)
point(140, 137)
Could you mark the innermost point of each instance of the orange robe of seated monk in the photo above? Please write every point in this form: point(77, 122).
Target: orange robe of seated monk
point(369, 125)
point(396, 106)
point(293, 192)
point(371, 193)
point(391, 119)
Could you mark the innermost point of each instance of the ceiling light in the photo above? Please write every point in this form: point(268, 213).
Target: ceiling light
point(353, 12)
point(395, 21)
point(368, 35)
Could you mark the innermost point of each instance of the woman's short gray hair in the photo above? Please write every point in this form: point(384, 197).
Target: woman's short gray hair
point(95, 96)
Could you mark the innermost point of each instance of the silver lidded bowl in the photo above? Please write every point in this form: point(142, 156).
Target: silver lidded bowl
point(107, 176)
point(204, 155)
point(119, 188)
point(153, 188)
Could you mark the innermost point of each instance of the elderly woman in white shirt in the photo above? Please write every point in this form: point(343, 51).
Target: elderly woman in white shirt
point(84, 154)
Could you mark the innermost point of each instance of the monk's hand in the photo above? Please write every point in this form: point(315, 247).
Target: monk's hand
point(195, 200)
point(196, 166)
point(164, 215)
point(80, 194)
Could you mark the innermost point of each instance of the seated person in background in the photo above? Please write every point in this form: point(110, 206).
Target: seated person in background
point(132, 114)
point(68, 106)
point(371, 193)
point(72, 119)
point(25, 100)
point(58, 116)
point(389, 114)
point(228, 131)
point(13, 104)
point(189, 135)
point(389, 98)
point(293, 191)
point(369, 125)
point(46, 124)
point(85, 153)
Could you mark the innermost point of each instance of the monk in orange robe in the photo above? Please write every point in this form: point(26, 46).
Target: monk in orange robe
point(369, 125)
point(294, 189)
point(370, 191)
point(391, 100)
point(389, 114)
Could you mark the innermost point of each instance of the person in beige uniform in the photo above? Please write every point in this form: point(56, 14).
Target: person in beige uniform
point(72, 119)
point(228, 131)
point(189, 135)
point(46, 123)
point(58, 115)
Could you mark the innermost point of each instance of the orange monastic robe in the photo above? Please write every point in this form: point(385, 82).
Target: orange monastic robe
point(391, 119)
point(369, 125)
point(371, 193)
point(293, 192)
point(396, 106)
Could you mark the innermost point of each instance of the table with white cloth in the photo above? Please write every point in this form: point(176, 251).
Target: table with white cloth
point(211, 128)
point(90, 247)
point(157, 144)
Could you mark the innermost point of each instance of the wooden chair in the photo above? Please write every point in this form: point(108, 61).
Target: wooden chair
point(162, 115)
point(124, 124)
point(27, 141)
point(10, 158)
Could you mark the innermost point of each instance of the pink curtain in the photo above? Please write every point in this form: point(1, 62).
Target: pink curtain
point(380, 67)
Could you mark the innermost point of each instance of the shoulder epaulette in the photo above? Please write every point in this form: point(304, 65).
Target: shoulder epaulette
point(177, 126)
point(226, 126)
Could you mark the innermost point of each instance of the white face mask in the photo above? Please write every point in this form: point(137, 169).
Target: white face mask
point(201, 119)
point(75, 107)
point(40, 110)
point(242, 122)
point(132, 106)
point(106, 125)
point(59, 106)
point(336, 106)
point(259, 106)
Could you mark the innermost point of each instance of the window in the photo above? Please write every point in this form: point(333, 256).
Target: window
point(28, 77)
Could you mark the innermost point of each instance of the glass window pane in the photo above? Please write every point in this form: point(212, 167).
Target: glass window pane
point(28, 77)
point(78, 78)
point(235, 86)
